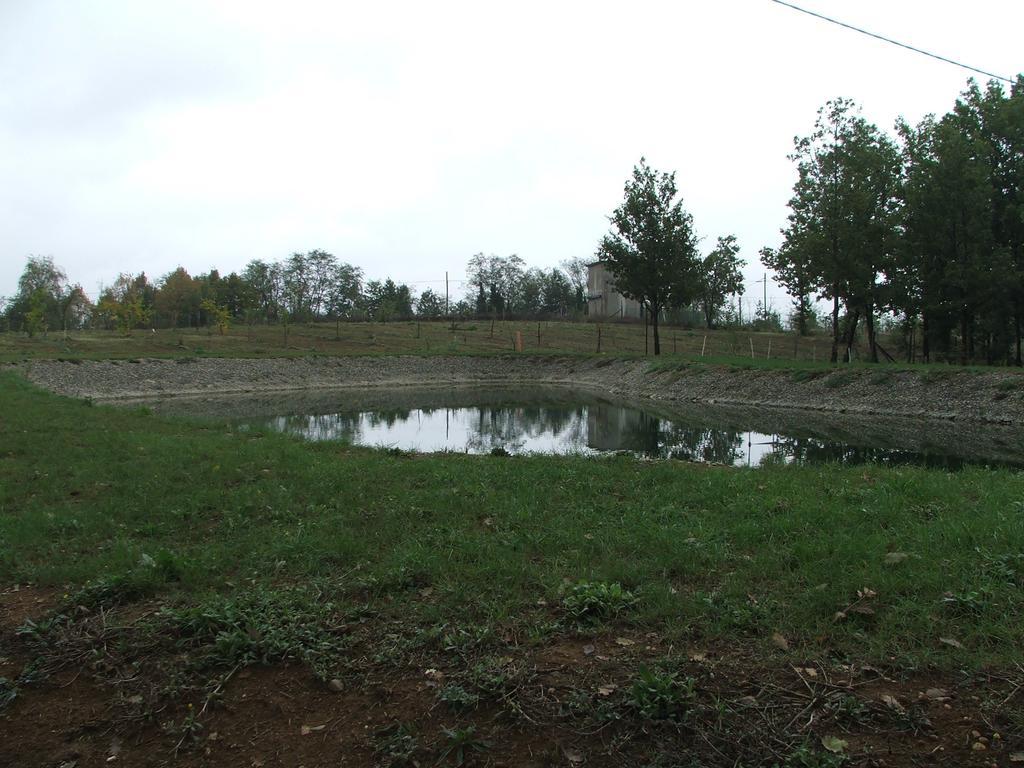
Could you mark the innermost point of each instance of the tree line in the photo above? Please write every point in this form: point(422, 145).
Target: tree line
point(926, 227)
point(306, 287)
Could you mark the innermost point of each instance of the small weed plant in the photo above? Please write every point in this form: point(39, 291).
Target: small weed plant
point(460, 743)
point(396, 746)
point(457, 698)
point(591, 601)
point(662, 695)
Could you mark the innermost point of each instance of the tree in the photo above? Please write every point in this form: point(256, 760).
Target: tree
point(497, 281)
point(843, 222)
point(343, 290)
point(430, 304)
point(720, 277)
point(576, 270)
point(216, 314)
point(42, 289)
point(387, 301)
point(793, 270)
point(263, 287)
point(652, 249)
point(128, 303)
point(177, 296)
point(75, 309)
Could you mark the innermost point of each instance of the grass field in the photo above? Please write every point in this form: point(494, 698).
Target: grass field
point(168, 556)
point(472, 337)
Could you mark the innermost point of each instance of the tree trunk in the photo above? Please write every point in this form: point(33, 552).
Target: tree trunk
point(835, 326)
point(1017, 321)
point(869, 318)
point(926, 346)
point(964, 331)
point(849, 336)
point(654, 325)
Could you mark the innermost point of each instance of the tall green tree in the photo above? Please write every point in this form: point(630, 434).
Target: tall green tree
point(844, 215)
point(721, 276)
point(652, 250)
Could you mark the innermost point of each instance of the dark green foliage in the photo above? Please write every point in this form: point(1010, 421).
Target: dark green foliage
point(460, 743)
point(596, 601)
point(932, 231)
point(396, 746)
point(457, 698)
point(652, 248)
point(662, 695)
point(258, 626)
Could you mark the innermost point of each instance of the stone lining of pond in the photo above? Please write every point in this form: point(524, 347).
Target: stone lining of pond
point(944, 393)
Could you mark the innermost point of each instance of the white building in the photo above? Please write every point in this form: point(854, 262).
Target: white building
point(603, 301)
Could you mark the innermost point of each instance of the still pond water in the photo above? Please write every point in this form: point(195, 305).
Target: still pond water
point(554, 421)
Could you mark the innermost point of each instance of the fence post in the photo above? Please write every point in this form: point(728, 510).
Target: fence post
point(598, 338)
point(751, 339)
point(703, 345)
point(769, 348)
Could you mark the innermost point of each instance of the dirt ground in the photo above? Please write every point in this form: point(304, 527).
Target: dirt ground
point(569, 707)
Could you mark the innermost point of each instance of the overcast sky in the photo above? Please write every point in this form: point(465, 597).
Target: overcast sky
point(405, 137)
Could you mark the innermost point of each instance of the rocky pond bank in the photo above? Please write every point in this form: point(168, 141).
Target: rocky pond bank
point(936, 393)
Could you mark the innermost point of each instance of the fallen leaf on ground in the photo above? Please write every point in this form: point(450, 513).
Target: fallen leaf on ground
point(895, 558)
point(951, 642)
point(780, 642)
point(588, 649)
point(1017, 757)
point(572, 755)
point(891, 702)
point(834, 744)
point(624, 641)
point(308, 729)
point(937, 694)
point(607, 690)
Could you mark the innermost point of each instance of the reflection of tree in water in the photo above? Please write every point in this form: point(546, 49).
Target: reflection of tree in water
point(327, 426)
point(509, 428)
point(810, 450)
point(601, 426)
point(613, 428)
point(714, 446)
point(375, 419)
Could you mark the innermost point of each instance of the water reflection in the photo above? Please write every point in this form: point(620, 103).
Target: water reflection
point(558, 420)
point(590, 426)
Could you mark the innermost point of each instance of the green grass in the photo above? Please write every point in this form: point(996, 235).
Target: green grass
point(115, 505)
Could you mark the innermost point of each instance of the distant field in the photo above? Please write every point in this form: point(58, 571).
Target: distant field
point(472, 337)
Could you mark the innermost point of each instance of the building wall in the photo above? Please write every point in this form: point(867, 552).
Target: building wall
point(603, 301)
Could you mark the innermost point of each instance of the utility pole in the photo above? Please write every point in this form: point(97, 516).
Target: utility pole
point(446, 293)
point(764, 305)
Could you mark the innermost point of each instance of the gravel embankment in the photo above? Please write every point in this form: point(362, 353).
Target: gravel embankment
point(990, 396)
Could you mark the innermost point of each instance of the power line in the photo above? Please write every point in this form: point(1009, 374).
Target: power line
point(892, 42)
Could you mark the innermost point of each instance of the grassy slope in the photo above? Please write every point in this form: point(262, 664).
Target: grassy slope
point(714, 553)
point(469, 337)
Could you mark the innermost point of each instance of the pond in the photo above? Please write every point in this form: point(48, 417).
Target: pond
point(562, 421)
